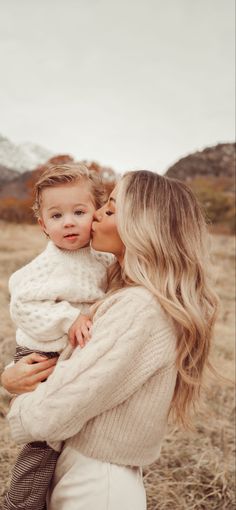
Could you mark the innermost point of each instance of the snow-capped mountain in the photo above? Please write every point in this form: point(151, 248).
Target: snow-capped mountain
point(22, 157)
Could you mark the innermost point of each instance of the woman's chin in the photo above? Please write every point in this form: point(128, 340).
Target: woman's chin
point(94, 245)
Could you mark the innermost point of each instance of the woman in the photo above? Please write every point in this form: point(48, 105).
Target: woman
point(150, 342)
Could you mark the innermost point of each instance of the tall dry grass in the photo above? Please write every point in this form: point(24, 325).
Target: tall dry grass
point(196, 469)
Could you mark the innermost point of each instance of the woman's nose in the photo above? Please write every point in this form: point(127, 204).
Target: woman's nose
point(98, 214)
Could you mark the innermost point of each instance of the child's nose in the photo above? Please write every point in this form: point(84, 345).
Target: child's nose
point(68, 221)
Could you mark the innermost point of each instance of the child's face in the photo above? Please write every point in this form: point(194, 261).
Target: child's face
point(67, 213)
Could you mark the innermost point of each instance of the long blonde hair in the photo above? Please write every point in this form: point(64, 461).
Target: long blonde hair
point(166, 250)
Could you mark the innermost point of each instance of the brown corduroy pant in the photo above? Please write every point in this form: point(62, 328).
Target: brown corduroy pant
point(34, 468)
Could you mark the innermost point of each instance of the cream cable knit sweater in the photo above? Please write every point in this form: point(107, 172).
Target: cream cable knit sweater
point(48, 294)
point(110, 400)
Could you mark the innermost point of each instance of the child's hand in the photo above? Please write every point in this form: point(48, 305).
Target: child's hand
point(79, 332)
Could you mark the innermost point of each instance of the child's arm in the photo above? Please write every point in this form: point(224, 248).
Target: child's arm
point(80, 331)
point(42, 320)
point(35, 307)
point(49, 320)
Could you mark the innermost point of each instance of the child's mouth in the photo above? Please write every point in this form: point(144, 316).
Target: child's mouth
point(71, 236)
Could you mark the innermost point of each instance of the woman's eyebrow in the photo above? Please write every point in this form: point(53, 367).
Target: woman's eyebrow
point(111, 199)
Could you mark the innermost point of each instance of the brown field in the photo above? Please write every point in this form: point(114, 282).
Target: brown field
point(196, 469)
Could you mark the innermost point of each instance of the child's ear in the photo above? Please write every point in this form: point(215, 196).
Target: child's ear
point(42, 225)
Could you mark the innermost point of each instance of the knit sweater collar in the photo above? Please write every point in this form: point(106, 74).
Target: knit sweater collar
point(80, 254)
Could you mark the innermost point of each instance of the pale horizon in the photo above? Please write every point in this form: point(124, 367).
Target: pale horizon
point(138, 84)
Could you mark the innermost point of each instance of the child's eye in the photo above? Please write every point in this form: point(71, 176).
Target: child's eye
point(56, 216)
point(109, 213)
point(79, 212)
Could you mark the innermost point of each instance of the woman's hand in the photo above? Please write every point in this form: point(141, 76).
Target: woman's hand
point(26, 374)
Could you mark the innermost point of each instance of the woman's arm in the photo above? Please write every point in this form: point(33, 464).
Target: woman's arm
point(120, 358)
point(26, 374)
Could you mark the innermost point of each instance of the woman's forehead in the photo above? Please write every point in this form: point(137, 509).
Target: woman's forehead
point(112, 197)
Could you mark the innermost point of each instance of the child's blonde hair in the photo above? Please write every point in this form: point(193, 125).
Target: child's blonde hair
point(67, 173)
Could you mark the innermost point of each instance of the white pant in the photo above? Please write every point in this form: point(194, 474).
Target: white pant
point(82, 483)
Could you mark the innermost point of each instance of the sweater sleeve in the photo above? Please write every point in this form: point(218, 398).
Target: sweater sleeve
point(34, 307)
point(101, 376)
point(45, 320)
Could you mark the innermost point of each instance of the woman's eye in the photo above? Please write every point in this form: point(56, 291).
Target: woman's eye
point(109, 213)
point(56, 216)
point(79, 212)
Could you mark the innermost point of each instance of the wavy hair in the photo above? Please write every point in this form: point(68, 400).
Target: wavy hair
point(68, 173)
point(166, 250)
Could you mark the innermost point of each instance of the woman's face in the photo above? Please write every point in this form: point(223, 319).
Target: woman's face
point(105, 236)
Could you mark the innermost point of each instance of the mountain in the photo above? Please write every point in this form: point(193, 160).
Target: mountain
point(19, 186)
point(7, 175)
point(210, 174)
point(216, 161)
point(22, 157)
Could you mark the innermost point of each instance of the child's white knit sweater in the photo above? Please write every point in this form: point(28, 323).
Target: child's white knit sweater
point(49, 293)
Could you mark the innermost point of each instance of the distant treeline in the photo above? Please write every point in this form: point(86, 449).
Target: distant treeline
point(211, 178)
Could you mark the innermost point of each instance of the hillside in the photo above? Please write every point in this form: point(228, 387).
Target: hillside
point(216, 161)
point(211, 175)
point(7, 175)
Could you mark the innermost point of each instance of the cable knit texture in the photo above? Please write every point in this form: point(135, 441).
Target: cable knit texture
point(111, 399)
point(48, 294)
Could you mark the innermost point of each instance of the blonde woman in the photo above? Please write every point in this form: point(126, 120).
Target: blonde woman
point(151, 336)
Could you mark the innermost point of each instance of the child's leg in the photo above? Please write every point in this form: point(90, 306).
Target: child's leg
point(34, 468)
point(31, 477)
point(23, 351)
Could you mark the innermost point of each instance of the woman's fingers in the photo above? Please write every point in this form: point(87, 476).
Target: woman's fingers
point(35, 379)
point(42, 365)
point(17, 378)
point(34, 357)
point(38, 373)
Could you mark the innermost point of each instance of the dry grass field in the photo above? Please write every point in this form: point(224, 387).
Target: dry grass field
point(196, 469)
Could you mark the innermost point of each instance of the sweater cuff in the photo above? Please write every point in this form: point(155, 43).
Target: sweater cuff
point(14, 419)
point(71, 316)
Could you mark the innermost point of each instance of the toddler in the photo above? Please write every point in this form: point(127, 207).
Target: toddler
point(49, 294)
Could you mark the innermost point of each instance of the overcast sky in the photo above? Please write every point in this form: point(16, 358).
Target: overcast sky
point(128, 83)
